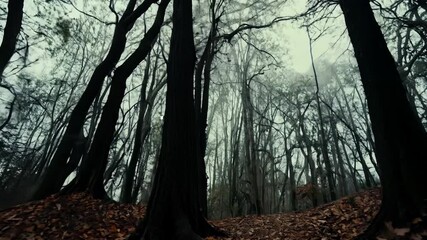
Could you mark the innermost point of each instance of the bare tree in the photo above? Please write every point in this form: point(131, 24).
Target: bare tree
point(78, 115)
point(400, 138)
point(173, 210)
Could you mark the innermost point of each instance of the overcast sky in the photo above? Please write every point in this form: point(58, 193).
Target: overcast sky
point(330, 46)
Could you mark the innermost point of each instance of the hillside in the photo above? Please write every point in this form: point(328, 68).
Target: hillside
point(81, 217)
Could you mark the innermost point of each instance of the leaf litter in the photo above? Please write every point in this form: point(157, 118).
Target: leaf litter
point(78, 216)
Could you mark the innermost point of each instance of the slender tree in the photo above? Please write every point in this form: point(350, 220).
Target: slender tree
point(78, 115)
point(10, 33)
point(201, 100)
point(323, 138)
point(400, 138)
point(147, 97)
point(91, 175)
point(15, 13)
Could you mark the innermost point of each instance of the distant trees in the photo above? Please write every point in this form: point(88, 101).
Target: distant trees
point(322, 132)
point(202, 82)
point(400, 138)
point(408, 33)
point(243, 66)
point(148, 95)
point(287, 138)
point(263, 138)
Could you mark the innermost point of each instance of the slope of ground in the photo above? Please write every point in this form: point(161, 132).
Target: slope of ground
point(81, 217)
point(342, 219)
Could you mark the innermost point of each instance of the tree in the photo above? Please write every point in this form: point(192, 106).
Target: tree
point(173, 210)
point(143, 126)
point(323, 140)
point(251, 156)
point(7, 48)
point(78, 115)
point(400, 138)
point(201, 99)
point(11, 31)
point(91, 175)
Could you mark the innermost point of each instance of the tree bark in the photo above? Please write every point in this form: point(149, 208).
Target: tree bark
point(323, 140)
point(304, 139)
point(15, 13)
point(336, 147)
point(91, 176)
point(290, 166)
point(357, 139)
point(7, 48)
point(140, 137)
point(173, 210)
point(201, 99)
point(78, 115)
point(400, 138)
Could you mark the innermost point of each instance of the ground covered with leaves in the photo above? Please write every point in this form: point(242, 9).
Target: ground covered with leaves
point(342, 219)
point(79, 216)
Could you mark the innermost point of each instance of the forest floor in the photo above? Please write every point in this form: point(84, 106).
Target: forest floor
point(79, 216)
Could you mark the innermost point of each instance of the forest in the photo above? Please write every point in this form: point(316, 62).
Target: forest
point(216, 119)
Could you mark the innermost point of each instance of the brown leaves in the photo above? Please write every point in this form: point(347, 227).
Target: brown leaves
point(342, 219)
point(79, 216)
point(76, 216)
point(416, 230)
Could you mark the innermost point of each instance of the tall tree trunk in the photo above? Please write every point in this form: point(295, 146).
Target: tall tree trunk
point(309, 158)
point(357, 139)
point(323, 140)
point(250, 147)
point(78, 115)
point(142, 169)
point(126, 195)
point(351, 169)
point(290, 166)
point(173, 210)
point(15, 11)
point(336, 147)
point(400, 138)
point(234, 159)
point(201, 99)
point(91, 176)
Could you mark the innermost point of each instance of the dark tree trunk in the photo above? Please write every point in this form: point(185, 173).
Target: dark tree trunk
point(174, 207)
point(309, 158)
point(357, 140)
point(322, 138)
point(76, 156)
point(400, 138)
point(8, 45)
point(91, 176)
point(10, 33)
point(234, 169)
point(289, 165)
point(143, 135)
point(78, 115)
point(201, 100)
point(142, 169)
point(251, 156)
point(336, 147)
point(126, 195)
point(116, 159)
